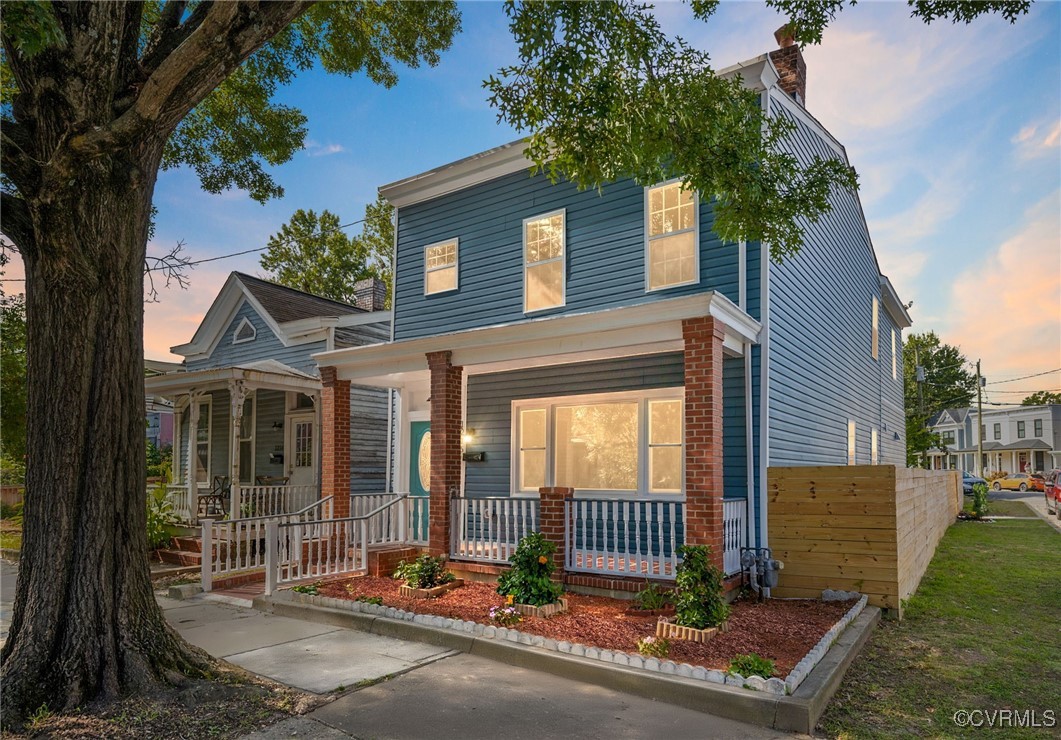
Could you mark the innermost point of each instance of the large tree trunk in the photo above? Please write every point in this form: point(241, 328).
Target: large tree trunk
point(85, 620)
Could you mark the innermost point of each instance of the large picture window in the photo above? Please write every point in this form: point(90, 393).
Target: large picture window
point(544, 247)
point(617, 443)
point(671, 254)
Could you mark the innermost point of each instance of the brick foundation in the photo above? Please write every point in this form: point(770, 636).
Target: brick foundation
point(445, 447)
point(335, 442)
point(703, 433)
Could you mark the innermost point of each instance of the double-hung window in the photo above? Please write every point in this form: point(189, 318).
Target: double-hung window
point(997, 431)
point(440, 267)
point(611, 443)
point(1020, 430)
point(672, 236)
point(1038, 427)
point(544, 250)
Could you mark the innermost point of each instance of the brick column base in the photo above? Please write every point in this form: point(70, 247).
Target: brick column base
point(335, 442)
point(703, 433)
point(551, 522)
point(445, 448)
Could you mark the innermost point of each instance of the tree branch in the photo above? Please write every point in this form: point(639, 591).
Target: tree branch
point(173, 266)
point(16, 162)
point(16, 222)
point(171, 33)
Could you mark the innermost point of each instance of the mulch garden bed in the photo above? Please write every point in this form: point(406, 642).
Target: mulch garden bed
point(783, 631)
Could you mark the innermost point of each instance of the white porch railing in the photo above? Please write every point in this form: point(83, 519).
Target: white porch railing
point(180, 500)
point(623, 537)
point(418, 512)
point(238, 546)
point(256, 501)
point(299, 551)
point(489, 529)
point(387, 527)
point(734, 533)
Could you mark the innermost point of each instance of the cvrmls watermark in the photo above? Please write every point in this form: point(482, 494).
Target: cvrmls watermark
point(1005, 718)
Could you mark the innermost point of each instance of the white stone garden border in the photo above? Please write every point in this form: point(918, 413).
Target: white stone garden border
point(615, 657)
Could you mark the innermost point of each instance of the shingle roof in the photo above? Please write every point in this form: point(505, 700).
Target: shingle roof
point(287, 304)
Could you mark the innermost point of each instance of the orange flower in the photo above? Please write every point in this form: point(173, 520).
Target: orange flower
point(510, 599)
point(542, 559)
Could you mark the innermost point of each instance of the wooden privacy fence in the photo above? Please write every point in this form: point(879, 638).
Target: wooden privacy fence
point(866, 528)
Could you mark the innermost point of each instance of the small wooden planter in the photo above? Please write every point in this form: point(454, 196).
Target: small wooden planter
point(429, 593)
point(671, 631)
point(547, 610)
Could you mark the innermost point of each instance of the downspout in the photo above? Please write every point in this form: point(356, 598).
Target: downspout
point(749, 436)
point(764, 374)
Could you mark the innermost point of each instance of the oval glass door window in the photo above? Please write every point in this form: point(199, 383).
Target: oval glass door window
point(424, 463)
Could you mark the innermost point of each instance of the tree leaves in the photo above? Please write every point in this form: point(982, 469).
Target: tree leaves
point(604, 94)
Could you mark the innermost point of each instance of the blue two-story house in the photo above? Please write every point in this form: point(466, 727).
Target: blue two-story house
point(602, 366)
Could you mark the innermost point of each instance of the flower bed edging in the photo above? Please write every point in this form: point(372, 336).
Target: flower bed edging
point(811, 659)
point(775, 686)
point(429, 593)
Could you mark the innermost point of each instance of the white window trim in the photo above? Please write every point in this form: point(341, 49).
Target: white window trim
point(207, 401)
point(455, 241)
point(874, 339)
point(895, 358)
point(550, 404)
point(874, 446)
point(235, 334)
point(649, 239)
point(852, 442)
point(562, 259)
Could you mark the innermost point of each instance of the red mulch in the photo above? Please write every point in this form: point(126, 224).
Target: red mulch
point(783, 631)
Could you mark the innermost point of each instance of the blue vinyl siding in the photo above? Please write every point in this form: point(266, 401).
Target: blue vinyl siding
point(265, 346)
point(605, 253)
point(821, 369)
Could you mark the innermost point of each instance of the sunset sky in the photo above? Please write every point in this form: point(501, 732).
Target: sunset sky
point(954, 130)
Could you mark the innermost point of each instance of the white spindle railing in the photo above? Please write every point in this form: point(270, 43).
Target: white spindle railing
point(734, 533)
point(386, 527)
point(418, 513)
point(236, 546)
point(256, 501)
point(489, 529)
point(181, 502)
point(623, 537)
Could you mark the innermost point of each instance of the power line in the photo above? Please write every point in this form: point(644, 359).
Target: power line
point(1023, 377)
point(1029, 392)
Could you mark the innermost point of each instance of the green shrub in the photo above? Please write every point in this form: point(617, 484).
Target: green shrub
point(159, 460)
point(654, 647)
point(752, 665)
point(529, 581)
point(309, 588)
point(980, 505)
point(377, 600)
point(159, 516)
point(12, 512)
point(12, 471)
point(653, 597)
point(698, 588)
point(424, 572)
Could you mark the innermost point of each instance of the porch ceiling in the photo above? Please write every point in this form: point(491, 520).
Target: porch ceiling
point(268, 374)
point(634, 330)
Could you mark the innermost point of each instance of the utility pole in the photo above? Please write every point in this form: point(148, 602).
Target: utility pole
point(980, 421)
point(919, 378)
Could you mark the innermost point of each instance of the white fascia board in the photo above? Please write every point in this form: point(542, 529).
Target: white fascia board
point(758, 73)
point(894, 305)
point(360, 319)
point(218, 378)
point(478, 168)
point(633, 327)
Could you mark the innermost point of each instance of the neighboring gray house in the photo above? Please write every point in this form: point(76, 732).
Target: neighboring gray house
point(611, 342)
point(246, 402)
point(1018, 439)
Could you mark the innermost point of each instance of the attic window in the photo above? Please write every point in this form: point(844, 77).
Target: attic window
point(245, 332)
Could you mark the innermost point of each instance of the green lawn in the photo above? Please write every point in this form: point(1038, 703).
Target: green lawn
point(982, 632)
point(1003, 508)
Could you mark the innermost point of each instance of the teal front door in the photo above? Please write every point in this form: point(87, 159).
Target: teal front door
point(419, 477)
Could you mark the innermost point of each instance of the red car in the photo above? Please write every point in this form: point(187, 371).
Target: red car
point(1052, 491)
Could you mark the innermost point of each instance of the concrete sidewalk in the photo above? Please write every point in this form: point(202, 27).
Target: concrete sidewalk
point(392, 688)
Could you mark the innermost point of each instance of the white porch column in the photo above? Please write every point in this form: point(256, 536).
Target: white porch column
point(318, 446)
point(237, 394)
point(193, 433)
point(175, 461)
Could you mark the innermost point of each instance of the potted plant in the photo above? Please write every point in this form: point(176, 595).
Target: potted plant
point(425, 578)
point(529, 583)
point(700, 608)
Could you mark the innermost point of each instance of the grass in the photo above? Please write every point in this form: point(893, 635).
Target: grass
point(1003, 508)
point(980, 633)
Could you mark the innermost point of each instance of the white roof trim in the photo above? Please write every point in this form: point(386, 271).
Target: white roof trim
point(643, 328)
point(263, 374)
point(893, 305)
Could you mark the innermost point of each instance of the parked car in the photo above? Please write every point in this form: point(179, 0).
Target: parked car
point(968, 481)
point(1052, 491)
point(1020, 482)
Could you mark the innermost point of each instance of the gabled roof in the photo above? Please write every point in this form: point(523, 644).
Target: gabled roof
point(294, 316)
point(287, 304)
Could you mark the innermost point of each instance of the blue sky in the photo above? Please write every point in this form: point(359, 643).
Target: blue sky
point(955, 131)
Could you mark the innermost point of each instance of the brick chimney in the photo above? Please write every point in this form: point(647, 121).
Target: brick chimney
point(790, 65)
point(370, 294)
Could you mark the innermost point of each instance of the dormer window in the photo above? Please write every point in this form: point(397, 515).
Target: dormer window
point(671, 253)
point(440, 267)
point(245, 332)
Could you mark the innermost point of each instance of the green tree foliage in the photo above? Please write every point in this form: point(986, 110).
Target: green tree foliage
point(13, 376)
point(1041, 398)
point(948, 384)
point(313, 253)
